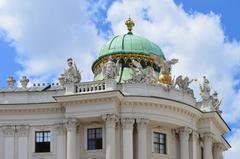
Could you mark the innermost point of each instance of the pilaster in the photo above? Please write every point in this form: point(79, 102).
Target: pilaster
point(71, 125)
point(142, 138)
point(195, 136)
point(110, 122)
point(208, 143)
point(21, 133)
point(60, 130)
point(184, 133)
point(9, 133)
point(218, 149)
point(127, 126)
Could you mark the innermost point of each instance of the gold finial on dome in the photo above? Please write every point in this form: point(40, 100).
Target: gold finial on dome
point(130, 24)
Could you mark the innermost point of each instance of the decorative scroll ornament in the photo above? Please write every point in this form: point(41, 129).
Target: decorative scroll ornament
point(71, 74)
point(166, 68)
point(111, 69)
point(111, 120)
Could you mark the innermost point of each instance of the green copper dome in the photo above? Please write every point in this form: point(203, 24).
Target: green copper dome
point(122, 50)
point(130, 43)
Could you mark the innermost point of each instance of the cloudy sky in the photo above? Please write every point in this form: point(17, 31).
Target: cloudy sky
point(37, 36)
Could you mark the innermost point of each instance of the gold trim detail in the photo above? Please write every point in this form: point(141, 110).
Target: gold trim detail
point(125, 56)
point(165, 79)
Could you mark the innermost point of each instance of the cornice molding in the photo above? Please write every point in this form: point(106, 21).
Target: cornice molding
point(33, 110)
point(171, 108)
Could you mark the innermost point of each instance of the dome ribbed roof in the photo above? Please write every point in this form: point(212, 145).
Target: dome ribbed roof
point(130, 43)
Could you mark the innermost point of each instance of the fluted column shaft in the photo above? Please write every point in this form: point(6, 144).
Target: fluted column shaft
point(207, 148)
point(71, 126)
point(127, 125)
point(184, 142)
point(110, 120)
point(218, 149)
point(142, 138)
point(195, 137)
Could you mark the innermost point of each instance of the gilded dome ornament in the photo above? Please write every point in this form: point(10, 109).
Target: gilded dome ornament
point(130, 24)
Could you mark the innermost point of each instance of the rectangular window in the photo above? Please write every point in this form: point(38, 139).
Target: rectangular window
point(94, 138)
point(42, 141)
point(159, 142)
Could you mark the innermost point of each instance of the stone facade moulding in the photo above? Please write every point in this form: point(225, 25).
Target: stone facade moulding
point(111, 120)
point(18, 130)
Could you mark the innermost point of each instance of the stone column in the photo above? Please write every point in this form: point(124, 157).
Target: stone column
point(218, 149)
point(110, 120)
point(142, 138)
point(71, 125)
point(184, 142)
point(60, 141)
point(9, 133)
point(195, 137)
point(207, 145)
point(127, 125)
point(22, 133)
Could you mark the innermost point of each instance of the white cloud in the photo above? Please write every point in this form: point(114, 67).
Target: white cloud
point(234, 139)
point(45, 33)
point(197, 39)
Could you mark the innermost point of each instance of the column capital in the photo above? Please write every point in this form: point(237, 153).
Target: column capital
point(219, 146)
point(207, 136)
point(195, 134)
point(8, 130)
point(111, 120)
point(60, 128)
point(22, 130)
point(127, 123)
point(184, 131)
point(218, 149)
point(142, 123)
point(71, 123)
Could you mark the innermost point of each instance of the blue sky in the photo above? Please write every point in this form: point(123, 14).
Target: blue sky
point(227, 9)
point(36, 38)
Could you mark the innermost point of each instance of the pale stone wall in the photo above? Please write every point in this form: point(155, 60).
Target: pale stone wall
point(128, 116)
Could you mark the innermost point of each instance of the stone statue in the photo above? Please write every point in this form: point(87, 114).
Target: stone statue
point(151, 76)
point(111, 69)
point(215, 101)
point(24, 82)
point(141, 75)
point(71, 74)
point(205, 89)
point(10, 82)
point(138, 75)
point(165, 65)
point(183, 84)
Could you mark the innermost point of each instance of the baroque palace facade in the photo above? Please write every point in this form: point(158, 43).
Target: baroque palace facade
point(133, 109)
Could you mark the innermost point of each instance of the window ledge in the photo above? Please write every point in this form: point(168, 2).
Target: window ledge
point(160, 156)
point(95, 151)
point(35, 154)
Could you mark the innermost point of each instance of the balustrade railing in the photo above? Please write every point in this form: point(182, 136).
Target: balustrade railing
point(94, 86)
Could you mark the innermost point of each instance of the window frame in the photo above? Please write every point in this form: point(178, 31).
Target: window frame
point(90, 126)
point(45, 138)
point(168, 132)
point(95, 139)
point(164, 144)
